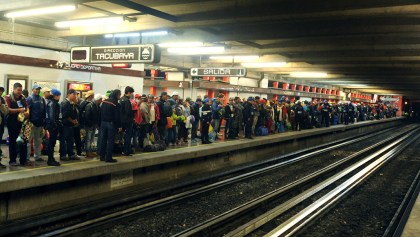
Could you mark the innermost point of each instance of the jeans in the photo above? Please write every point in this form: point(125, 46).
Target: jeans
point(228, 128)
point(77, 140)
point(108, 132)
point(67, 141)
point(205, 132)
point(171, 135)
point(89, 139)
point(143, 131)
point(194, 127)
point(128, 135)
point(215, 123)
point(51, 144)
point(14, 126)
point(36, 135)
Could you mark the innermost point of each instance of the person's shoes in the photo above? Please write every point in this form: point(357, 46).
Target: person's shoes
point(206, 142)
point(53, 163)
point(126, 154)
point(14, 164)
point(102, 159)
point(75, 157)
point(64, 158)
point(111, 161)
point(39, 159)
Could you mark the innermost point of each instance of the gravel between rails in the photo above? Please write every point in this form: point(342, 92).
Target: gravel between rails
point(182, 216)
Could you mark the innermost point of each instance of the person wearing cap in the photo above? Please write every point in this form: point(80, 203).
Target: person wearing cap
point(127, 119)
point(239, 119)
point(299, 115)
point(165, 112)
point(3, 119)
point(46, 92)
point(53, 124)
point(90, 119)
point(70, 119)
point(38, 108)
point(17, 104)
point(110, 124)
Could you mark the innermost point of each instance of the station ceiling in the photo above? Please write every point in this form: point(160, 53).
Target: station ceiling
point(369, 46)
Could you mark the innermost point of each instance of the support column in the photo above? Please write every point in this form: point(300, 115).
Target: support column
point(285, 86)
point(307, 88)
point(275, 84)
point(293, 87)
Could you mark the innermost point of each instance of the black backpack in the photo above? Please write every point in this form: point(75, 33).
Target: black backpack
point(83, 106)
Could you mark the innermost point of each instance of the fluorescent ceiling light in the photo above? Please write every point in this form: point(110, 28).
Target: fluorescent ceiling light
point(263, 65)
point(154, 33)
point(236, 58)
point(309, 74)
point(196, 50)
point(40, 11)
point(181, 44)
point(91, 22)
point(123, 35)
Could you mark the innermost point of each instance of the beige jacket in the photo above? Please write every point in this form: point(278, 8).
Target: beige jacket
point(4, 110)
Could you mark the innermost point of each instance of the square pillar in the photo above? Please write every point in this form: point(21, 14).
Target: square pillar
point(285, 86)
point(293, 87)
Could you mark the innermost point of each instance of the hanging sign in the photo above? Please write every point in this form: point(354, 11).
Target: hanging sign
point(219, 72)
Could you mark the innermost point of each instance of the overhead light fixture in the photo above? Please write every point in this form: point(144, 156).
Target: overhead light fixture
point(40, 11)
point(236, 58)
point(264, 65)
point(154, 33)
point(181, 44)
point(91, 22)
point(196, 50)
point(123, 35)
point(309, 74)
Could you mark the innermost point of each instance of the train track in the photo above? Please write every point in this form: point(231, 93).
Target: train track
point(345, 181)
point(88, 225)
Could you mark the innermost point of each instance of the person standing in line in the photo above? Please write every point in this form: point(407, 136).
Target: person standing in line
point(70, 119)
point(248, 115)
point(46, 92)
point(127, 119)
point(17, 104)
point(3, 114)
point(162, 123)
point(299, 112)
point(4, 110)
point(238, 121)
point(37, 111)
point(196, 113)
point(110, 124)
point(90, 116)
point(230, 113)
point(53, 124)
point(205, 121)
point(216, 116)
point(326, 112)
point(145, 121)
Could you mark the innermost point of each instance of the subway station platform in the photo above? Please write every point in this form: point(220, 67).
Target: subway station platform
point(38, 189)
point(412, 228)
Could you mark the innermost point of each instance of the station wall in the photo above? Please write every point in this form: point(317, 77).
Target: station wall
point(101, 82)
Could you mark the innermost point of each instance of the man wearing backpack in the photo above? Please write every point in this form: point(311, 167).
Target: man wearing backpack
point(127, 119)
point(37, 111)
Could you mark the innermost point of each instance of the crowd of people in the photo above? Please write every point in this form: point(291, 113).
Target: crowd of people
point(127, 122)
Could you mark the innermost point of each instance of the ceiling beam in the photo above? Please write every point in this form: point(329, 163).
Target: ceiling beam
point(144, 9)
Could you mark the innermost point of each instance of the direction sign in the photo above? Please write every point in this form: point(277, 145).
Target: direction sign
point(219, 72)
point(116, 54)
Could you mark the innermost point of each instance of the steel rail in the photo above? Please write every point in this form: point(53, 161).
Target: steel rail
point(300, 220)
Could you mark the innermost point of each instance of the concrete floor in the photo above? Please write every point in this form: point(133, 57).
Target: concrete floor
point(412, 228)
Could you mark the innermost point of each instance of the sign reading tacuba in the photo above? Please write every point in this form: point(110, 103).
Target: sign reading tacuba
point(233, 72)
point(115, 54)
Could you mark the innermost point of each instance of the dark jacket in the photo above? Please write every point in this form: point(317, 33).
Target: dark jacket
point(299, 111)
point(110, 111)
point(248, 112)
point(53, 121)
point(196, 111)
point(127, 114)
point(229, 113)
point(37, 110)
point(206, 114)
point(163, 113)
point(91, 114)
point(216, 110)
point(69, 110)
